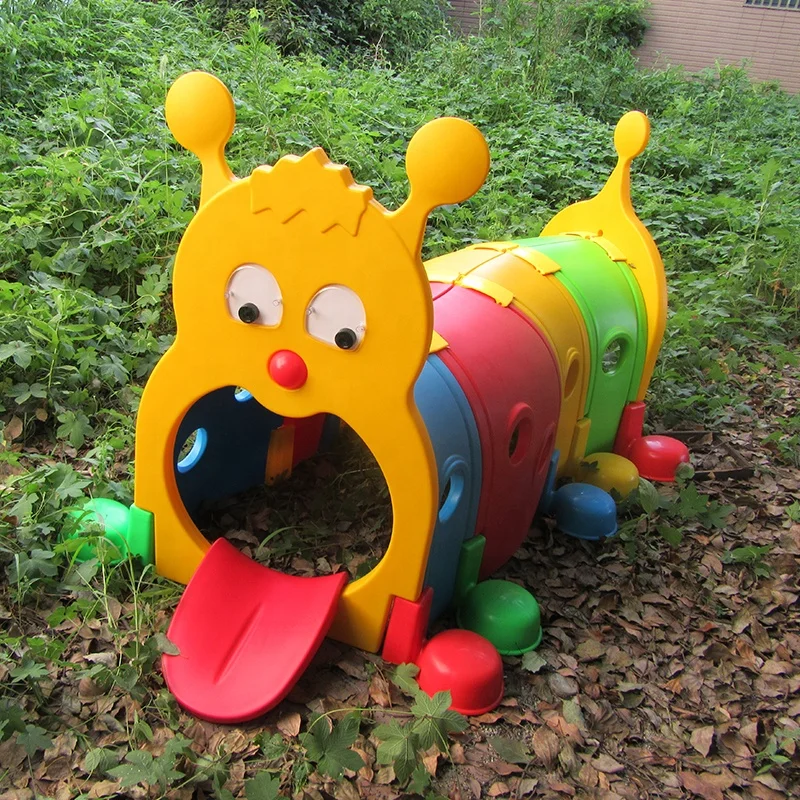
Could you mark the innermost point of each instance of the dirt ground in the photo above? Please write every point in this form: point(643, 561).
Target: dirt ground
point(665, 670)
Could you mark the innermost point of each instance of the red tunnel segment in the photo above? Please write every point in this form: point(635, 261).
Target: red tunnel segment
point(510, 377)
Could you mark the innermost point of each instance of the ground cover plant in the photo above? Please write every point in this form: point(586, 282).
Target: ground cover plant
point(669, 666)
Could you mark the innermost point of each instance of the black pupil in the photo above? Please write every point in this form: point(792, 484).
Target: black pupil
point(248, 312)
point(346, 339)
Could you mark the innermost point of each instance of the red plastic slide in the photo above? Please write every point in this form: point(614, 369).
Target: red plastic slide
point(246, 633)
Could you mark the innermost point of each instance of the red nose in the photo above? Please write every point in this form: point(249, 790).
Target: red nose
point(287, 369)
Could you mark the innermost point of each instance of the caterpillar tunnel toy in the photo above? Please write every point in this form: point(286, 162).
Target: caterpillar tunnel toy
point(490, 383)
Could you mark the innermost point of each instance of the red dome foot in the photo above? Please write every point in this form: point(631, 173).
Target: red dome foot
point(466, 665)
point(658, 457)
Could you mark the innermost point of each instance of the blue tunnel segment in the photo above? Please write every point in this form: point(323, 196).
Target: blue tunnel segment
point(456, 444)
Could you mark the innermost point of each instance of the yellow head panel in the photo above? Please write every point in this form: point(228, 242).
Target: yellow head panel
point(270, 273)
point(610, 215)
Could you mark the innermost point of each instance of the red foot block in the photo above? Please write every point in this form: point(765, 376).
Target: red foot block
point(406, 630)
point(656, 457)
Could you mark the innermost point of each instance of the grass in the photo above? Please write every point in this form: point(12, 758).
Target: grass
point(94, 196)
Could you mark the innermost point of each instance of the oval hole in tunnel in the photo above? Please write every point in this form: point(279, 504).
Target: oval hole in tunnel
point(613, 355)
point(318, 504)
point(451, 495)
point(192, 450)
point(520, 440)
point(573, 371)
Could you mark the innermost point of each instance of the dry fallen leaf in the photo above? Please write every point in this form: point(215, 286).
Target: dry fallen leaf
point(379, 691)
point(588, 776)
point(702, 739)
point(546, 746)
point(13, 429)
point(590, 650)
point(604, 763)
point(698, 786)
point(289, 724)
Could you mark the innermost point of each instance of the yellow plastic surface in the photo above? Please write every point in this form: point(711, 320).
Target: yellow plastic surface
point(609, 472)
point(539, 261)
point(311, 226)
point(438, 343)
point(451, 267)
point(579, 441)
point(500, 294)
point(610, 215)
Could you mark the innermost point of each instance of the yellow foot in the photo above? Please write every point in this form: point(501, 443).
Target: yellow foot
point(609, 472)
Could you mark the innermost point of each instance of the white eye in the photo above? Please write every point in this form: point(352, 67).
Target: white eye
point(253, 296)
point(336, 315)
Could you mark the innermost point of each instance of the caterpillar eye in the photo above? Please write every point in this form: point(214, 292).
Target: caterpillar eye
point(253, 296)
point(248, 312)
point(346, 339)
point(337, 317)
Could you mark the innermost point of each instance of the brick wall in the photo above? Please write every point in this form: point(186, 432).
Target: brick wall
point(466, 15)
point(697, 33)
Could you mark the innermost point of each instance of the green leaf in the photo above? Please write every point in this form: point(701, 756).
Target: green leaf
point(142, 731)
point(100, 760)
point(404, 678)
point(434, 719)
point(28, 669)
point(12, 719)
point(219, 790)
point(671, 534)
point(127, 676)
point(139, 769)
point(420, 780)
point(21, 352)
point(649, 497)
point(75, 427)
point(692, 503)
point(34, 738)
point(398, 747)
point(330, 749)
point(511, 750)
point(272, 747)
point(751, 554)
point(262, 787)
point(435, 706)
point(165, 645)
point(572, 713)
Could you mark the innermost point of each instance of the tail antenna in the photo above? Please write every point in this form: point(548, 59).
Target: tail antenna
point(610, 215)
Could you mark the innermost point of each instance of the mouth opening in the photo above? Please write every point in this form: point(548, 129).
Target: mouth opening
point(301, 496)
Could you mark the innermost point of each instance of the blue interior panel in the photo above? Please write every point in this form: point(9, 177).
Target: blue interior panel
point(456, 445)
point(230, 450)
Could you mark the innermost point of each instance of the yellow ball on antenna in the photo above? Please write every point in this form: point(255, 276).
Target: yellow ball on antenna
point(200, 112)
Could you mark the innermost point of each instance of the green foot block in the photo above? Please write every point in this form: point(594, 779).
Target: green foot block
point(504, 613)
point(129, 530)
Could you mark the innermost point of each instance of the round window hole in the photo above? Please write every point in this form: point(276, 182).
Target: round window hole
point(192, 450)
point(242, 395)
point(612, 356)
